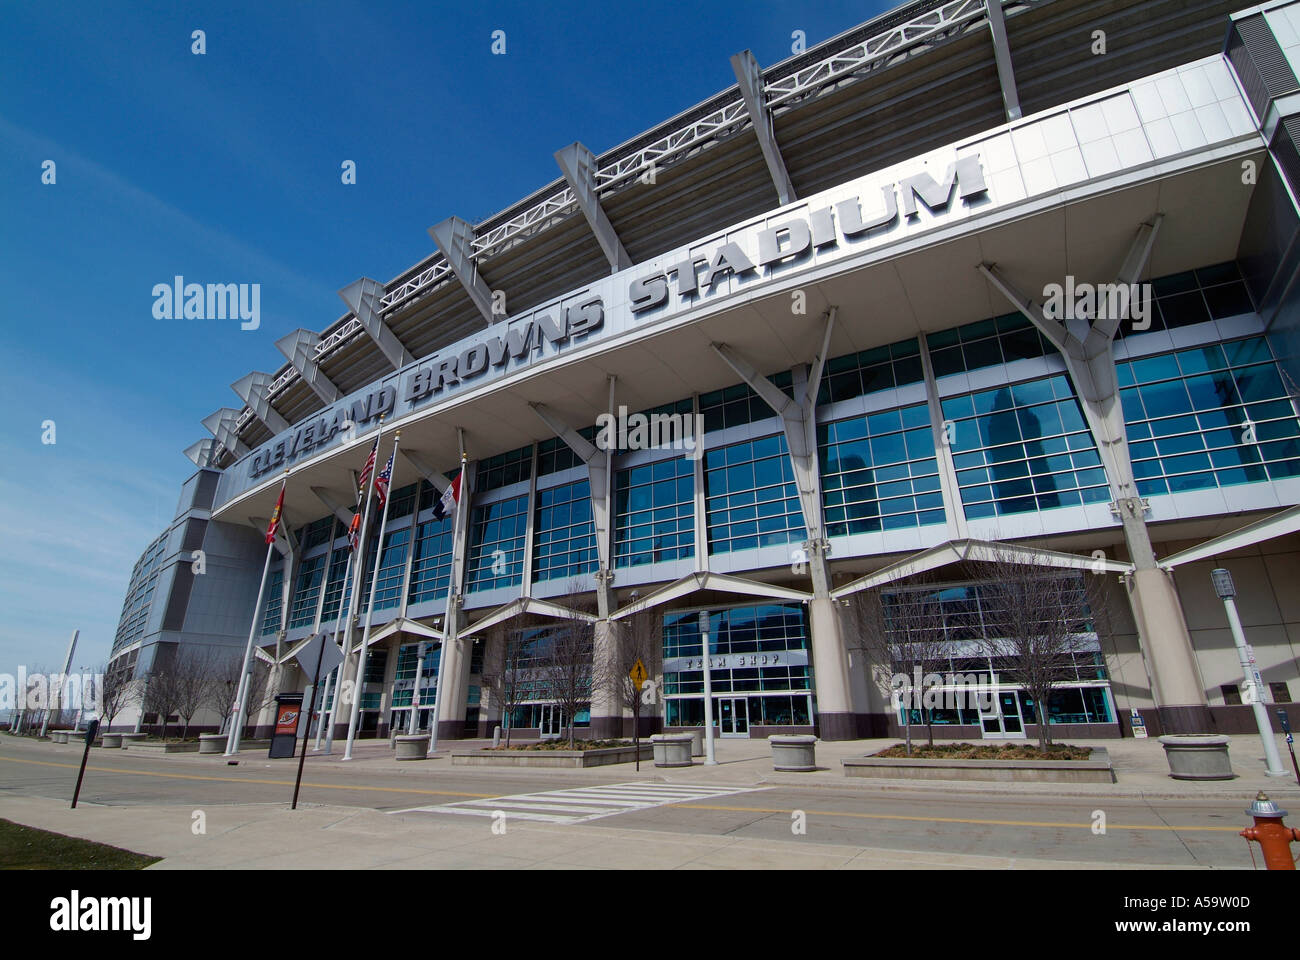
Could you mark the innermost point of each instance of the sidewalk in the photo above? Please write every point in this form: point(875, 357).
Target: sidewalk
point(1140, 769)
point(318, 836)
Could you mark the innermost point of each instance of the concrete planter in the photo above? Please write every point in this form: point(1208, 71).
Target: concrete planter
point(59, 736)
point(1096, 769)
point(672, 749)
point(212, 743)
point(793, 753)
point(112, 741)
point(129, 738)
point(549, 758)
point(1197, 757)
point(412, 746)
point(141, 746)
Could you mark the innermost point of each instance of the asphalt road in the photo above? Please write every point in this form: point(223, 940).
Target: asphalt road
point(935, 819)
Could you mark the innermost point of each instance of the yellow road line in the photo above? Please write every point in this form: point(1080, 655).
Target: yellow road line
point(989, 823)
point(686, 806)
point(278, 783)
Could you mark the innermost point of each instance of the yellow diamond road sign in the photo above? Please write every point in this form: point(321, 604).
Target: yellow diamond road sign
point(638, 673)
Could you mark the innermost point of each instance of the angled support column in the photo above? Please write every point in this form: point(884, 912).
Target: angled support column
point(340, 510)
point(200, 452)
point(299, 348)
point(750, 78)
point(453, 237)
point(578, 164)
point(836, 717)
point(606, 711)
point(221, 424)
point(252, 390)
point(362, 298)
point(1002, 57)
point(438, 480)
point(1086, 348)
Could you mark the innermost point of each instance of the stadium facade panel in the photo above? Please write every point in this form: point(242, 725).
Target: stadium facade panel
point(1061, 331)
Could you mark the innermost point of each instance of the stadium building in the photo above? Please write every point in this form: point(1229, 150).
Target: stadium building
point(972, 276)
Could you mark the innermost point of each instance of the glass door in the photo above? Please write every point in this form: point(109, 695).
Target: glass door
point(1003, 720)
point(551, 722)
point(733, 717)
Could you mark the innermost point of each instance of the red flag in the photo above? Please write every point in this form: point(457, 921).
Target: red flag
point(275, 518)
point(354, 531)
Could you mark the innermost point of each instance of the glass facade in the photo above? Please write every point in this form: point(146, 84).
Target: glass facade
point(388, 589)
point(273, 602)
point(1181, 299)
point(881, 368)
point(338, 590)
point(879, 472)
point(302, 612)
point(751, 498)
point(655, 513)
point(139, 596)
point(496, 547)
point(431, 568)
point(737, 405)
point(564, 539)
point(504, 469)
point(985, 343)
point(1209, 416)
point(1023, 447)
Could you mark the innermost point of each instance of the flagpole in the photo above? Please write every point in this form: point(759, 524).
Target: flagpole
point(236, 726)
point(360, 556)
point(336, 676)
point(452, 590)
point(391, 469)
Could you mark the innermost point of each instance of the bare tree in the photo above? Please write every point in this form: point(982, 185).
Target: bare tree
point(905, 638)
point(116, 690)
point(161, 692)
point(194, 672)
point(566, 662)
point(223, 689)
point(1036, 619)
point(507, 679)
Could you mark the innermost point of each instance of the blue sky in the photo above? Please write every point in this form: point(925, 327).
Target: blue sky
point(225, 168)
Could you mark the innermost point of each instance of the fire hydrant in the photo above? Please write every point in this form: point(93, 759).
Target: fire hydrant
point(1274, 837)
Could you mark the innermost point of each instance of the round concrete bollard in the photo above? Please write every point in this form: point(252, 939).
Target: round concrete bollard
point(130, 738)
point(112, 741)
point(212, 743)
point(672, 749)
point(1197, 756)
point(412, 746)
point(793, 753)
point(59, 736)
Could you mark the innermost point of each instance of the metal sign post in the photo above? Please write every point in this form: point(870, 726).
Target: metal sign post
point(92, 729)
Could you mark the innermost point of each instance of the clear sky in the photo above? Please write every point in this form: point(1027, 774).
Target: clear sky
point(226, 168)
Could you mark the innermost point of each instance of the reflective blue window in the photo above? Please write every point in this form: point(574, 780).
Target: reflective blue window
point(565, 536)
point(302, 612)
point(655, 506)
point(738, 404)
point(879, 472)
point(496, 548)
point(273, 602)
point(881, 368)
point(1023, 447)
point(752, 500)
point(1209, 416)
point(338, 590)
point(431, 567)
point(504, 469)
point(388, 588)
point(985, 343)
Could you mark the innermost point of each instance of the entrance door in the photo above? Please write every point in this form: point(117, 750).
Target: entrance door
point(551, 722)
point(733, 717)
point(1003, 722)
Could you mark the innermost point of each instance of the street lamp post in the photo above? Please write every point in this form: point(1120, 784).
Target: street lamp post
point(709, 759)
point(1227, 592)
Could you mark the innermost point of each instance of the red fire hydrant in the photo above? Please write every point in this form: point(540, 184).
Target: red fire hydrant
point(1273, 836)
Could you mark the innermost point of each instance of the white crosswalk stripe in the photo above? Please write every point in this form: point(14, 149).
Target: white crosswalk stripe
point(580, 804)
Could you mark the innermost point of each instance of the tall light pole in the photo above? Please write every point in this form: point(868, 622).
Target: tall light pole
point(1227, 592)
point(709, 759)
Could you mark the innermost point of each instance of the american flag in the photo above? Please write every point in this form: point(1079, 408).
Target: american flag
point(365, 471)
point(381, 482)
